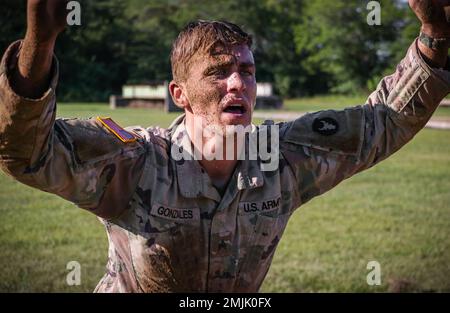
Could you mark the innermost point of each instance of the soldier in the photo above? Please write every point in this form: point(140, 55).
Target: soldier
point(180, 224)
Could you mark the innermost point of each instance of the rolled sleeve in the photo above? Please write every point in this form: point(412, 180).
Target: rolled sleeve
point(77, 159)
point(24, 122)
point(415, 89)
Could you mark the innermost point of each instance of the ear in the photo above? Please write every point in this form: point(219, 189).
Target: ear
point(178, 94)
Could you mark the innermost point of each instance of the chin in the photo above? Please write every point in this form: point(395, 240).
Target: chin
point(236, 119)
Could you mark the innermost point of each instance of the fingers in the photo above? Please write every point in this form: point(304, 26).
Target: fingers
point(431, 11)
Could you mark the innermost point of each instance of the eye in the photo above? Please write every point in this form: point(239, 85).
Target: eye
point(246, 73)
point(217, 72)
point(220, 72)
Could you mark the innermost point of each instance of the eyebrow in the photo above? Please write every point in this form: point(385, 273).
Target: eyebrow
point(247, 64)
point(226, 64)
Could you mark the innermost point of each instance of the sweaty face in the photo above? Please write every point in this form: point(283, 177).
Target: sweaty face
point(221, 87)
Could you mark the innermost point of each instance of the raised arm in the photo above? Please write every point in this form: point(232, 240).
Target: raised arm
point(327, 147)
point(79, 160)
point(46, 19)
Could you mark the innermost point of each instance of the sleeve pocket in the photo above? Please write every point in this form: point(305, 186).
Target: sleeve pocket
point(332, 131)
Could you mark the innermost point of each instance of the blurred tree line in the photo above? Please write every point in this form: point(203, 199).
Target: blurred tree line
point(303, 47)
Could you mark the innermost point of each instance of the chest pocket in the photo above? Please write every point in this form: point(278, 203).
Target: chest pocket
point(261, 226)
point(163, 255)
point(258, 218)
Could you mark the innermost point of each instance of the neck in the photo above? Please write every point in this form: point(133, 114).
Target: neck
point(219, 169)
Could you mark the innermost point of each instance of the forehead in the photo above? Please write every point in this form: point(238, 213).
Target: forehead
point(240, 54)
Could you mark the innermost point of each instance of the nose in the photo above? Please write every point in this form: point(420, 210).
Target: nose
point(235, 83)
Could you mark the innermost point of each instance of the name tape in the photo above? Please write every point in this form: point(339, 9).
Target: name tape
point(259, 206)
point(175, 214)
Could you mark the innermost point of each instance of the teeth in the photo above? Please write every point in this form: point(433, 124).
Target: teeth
point(235, 108)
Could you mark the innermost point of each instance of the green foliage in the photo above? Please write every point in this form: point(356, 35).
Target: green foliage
point(337, 40)
point(12, 21)
point(93, 56)
point(303, 47)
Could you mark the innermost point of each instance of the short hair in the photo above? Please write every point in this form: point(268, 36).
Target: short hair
point(202, 38)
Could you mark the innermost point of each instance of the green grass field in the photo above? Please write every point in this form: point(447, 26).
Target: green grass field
point(397, 213)
point(336, 102)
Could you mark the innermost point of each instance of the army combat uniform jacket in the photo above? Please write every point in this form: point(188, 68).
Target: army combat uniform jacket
point(168, 227)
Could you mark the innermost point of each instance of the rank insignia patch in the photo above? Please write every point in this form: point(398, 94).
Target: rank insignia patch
point(121, 133)
point(326, 126)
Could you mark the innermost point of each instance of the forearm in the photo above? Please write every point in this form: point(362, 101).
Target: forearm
point(434, 57)
point(437, 59)
point(403, 103)
point(31, 77)
point(434, 16)
point(45, 20)
point(24, 122)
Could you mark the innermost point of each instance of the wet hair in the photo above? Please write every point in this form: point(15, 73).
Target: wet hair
point(200, 38)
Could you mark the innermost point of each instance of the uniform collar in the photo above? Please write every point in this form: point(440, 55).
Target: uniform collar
point(193, 181)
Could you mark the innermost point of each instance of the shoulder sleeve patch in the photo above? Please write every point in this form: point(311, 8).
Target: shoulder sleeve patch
point(337, 131)
point(113, 127)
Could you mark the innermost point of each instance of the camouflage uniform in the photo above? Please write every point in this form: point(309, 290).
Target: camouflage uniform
point(168, 227)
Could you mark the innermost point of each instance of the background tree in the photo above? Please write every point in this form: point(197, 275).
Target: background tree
point(338, 42)
point(303, 47)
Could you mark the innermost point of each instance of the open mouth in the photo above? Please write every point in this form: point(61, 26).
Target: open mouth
point(235, 109)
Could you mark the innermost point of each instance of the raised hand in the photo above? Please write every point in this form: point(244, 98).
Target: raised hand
point(46, 19)
point(432, 15)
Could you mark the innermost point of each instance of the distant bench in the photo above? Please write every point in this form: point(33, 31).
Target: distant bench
point(151, 95)
point(445, 103)
point(156, 95)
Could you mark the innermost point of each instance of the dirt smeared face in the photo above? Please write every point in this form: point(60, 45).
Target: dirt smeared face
point(222, 87)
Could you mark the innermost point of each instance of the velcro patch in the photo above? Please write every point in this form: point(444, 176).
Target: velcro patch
point(113, 127)
point(325, 126)
point(176, 214)
point(259, 206)
point(347, 128)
